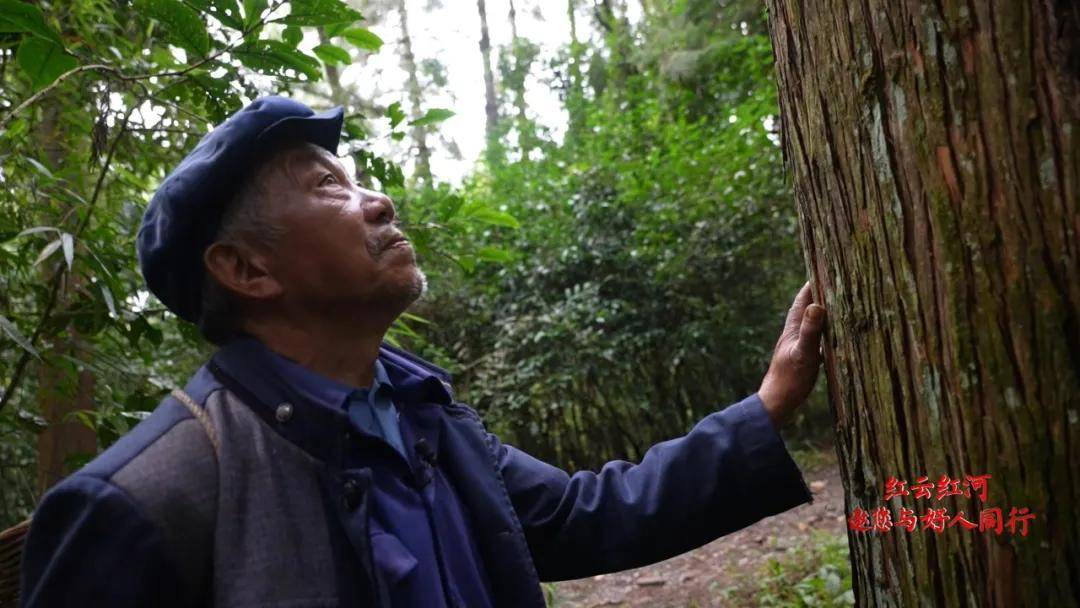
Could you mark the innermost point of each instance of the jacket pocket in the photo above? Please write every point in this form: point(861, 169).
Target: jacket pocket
point(392, 559)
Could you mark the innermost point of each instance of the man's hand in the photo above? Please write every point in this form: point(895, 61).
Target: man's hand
point(795, 361)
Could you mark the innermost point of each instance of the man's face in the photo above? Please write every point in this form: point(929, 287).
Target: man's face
point(340, 246)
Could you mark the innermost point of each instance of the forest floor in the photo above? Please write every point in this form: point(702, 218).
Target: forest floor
point(731, 571)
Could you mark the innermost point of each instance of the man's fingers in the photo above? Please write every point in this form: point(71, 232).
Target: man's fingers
point(810, 330)
point(795, 313)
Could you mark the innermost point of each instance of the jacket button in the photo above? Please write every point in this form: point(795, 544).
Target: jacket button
point(283, 412)
point(351, 492)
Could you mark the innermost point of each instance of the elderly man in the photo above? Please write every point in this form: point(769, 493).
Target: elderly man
point(310, 464)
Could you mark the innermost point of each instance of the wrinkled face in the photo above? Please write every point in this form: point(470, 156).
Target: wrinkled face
point(340, 245)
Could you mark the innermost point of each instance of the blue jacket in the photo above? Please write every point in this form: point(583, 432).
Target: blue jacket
point(258, 501)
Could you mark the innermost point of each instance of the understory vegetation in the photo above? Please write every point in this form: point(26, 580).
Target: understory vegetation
point(598, 281)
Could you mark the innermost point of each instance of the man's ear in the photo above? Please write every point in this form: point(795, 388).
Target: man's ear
point(241, 270)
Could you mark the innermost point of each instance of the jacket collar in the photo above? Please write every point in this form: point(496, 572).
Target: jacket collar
point(320, 390)
point(251, 371)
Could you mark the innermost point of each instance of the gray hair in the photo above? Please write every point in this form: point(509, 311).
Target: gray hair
point(246, 221)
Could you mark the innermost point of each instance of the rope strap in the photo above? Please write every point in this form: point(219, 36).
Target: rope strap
point(200, 414)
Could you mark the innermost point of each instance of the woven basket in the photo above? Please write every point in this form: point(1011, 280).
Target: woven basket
point(11, 548)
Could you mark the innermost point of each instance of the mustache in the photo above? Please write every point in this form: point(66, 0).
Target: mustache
point(379, 242)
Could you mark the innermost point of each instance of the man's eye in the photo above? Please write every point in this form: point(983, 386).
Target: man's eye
point(328, 179)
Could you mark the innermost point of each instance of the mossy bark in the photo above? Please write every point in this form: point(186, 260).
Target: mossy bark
point(935, 158)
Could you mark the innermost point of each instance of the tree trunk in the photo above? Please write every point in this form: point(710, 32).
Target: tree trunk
point(61, 391)
point(575, 98)
point(491, 108)
point(933, 147)
point(408, 63)
point(525, 138)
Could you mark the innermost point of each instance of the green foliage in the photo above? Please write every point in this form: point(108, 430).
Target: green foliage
point(432, 116)
point(594, 290)
point(655, 253)
point(362, 38)
point(99, 101)
point(816, 574)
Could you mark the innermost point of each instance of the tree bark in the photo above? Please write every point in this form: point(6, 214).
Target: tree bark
point(408, 62)
point(525, 138)
point(61, 391)
point(574, 93)
point(491, 107)
point(933, 148)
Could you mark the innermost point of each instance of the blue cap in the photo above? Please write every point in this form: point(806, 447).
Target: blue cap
point(184, 215)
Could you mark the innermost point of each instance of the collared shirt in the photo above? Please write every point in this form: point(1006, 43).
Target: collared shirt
point(420, 533)
point(371, 410)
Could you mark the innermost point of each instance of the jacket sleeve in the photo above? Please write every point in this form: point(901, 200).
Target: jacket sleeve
point(729, 471)
point(89, 545)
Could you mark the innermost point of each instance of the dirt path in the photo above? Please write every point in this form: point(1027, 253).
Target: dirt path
point(697, 578)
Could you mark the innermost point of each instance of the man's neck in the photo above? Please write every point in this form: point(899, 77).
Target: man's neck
point(344, 352)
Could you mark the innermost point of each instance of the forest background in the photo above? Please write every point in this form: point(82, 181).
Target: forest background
point(607, 230)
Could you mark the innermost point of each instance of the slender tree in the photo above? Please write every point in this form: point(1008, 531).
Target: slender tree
point(574, 96)
point(936, 167)
point(415, 92)
point(62, 389)
point(491, 107)
point(519, 66)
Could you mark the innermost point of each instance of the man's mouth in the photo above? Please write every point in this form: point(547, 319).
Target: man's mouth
point(395, 242)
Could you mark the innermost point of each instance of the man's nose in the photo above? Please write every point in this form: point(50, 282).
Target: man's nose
point(378, 208)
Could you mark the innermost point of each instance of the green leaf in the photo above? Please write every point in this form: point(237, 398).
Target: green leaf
point(432, 116)
point(46, 251)
point(332, 54)
point(395, 114)
point(253, 12)
point(18, 16)
point(43, 61)
point(42, 169)
point(37, 230)
point(16, 335)
point(488, 215)
point(182, 25)
point(320, 12)
point(274, 57)
point(228, 13)
point(355, 129)
point(110, 302)
point(363, 38)
point(68, 243)
point(494, 254)
point(292, 35)
point(397, 135)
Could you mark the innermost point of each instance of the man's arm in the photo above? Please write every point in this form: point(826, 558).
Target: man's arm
point(729, 471)
point(89, 545)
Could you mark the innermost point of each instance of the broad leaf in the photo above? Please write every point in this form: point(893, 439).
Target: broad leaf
point(43, 61)
point(432, 116)
point(274, 57)
point(18, 16)
point(320, 12)
point(253, 12)
point(292, 35)
point(228, 13)
point(332, 54)
point(488, 215)
point(494, 254)
point(362, 38)
point(182, 26)
point(395, 114)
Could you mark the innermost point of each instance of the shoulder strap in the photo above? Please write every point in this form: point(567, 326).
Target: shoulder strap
point(200, 414)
